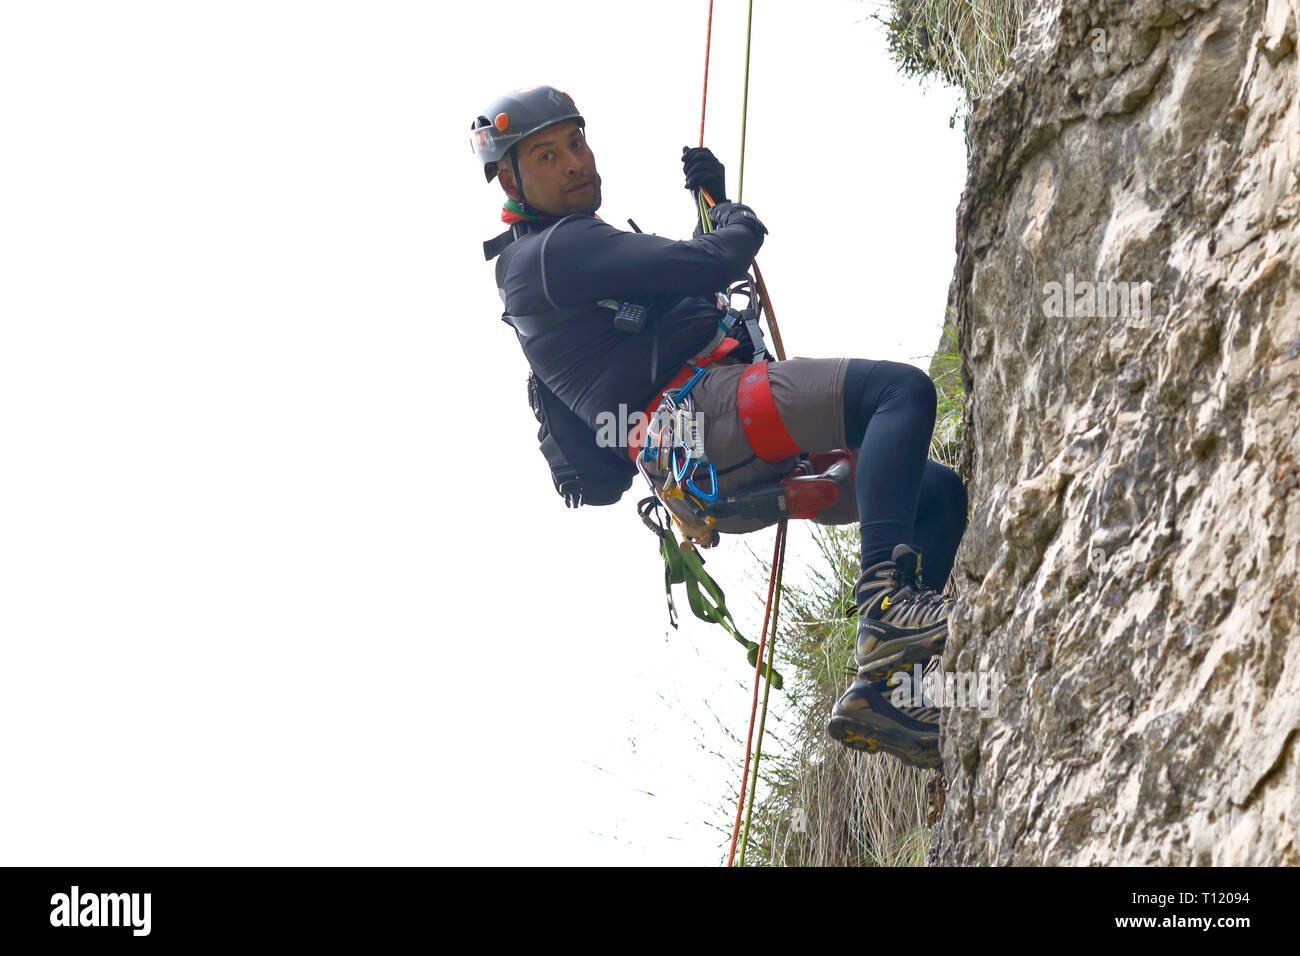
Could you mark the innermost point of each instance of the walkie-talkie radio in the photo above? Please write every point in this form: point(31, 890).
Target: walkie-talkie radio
point(630, 317)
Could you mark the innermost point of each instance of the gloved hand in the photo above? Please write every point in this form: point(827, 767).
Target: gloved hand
point(703, 170)
point(730, 213)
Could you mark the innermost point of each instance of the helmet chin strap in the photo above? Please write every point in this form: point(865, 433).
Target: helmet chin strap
point(519, 184)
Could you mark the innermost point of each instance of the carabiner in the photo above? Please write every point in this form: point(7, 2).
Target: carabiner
point(713, 481)
point(678, 474)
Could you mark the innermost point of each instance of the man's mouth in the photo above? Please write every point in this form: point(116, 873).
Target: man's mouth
point(575, 189)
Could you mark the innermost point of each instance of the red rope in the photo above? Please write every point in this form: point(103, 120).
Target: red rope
point(708, 44)
point(758, 671)
point(767, 308)
point(779, 554)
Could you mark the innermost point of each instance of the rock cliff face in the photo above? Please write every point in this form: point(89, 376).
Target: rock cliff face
point(1130, 572)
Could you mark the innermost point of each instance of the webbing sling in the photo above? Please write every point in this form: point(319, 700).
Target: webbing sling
point(684, 565)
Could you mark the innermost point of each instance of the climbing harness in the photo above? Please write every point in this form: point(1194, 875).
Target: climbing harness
point(674, 444)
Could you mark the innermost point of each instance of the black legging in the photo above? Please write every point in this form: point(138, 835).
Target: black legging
point(903, 496)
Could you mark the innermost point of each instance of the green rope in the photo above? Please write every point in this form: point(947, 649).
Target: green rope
point(744, 109)
point(771, 677)
point(767, 688)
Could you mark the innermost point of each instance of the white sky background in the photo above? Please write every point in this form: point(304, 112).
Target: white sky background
point(283, 579)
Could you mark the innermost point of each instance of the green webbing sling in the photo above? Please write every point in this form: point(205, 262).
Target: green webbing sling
point(685, 566)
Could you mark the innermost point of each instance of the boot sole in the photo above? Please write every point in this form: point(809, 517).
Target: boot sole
point(898, 655)
point(917, 750)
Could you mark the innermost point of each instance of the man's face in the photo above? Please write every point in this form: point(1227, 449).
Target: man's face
point(558, 170)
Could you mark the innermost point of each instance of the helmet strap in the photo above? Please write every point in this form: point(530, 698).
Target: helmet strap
point(519, 184)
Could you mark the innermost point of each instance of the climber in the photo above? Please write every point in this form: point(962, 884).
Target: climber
point(606, 318)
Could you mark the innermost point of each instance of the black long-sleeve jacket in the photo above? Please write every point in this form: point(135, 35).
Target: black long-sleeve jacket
point(586, 362)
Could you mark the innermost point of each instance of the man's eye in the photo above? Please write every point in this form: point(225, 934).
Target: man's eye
point(546, 157)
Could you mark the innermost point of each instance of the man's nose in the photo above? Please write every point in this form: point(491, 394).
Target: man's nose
point(575, 164)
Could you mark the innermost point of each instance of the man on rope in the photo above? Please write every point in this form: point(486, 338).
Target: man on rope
point(608, 318)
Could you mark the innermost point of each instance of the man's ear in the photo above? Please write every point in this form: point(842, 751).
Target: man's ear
point(506, 176)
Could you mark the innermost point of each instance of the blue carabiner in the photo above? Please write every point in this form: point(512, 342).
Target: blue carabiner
point(686, 389)
point(672, 462)
point(713, 481)
point(680, 472)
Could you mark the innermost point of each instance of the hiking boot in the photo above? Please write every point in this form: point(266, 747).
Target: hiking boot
point(900, 621)
point(865, 719)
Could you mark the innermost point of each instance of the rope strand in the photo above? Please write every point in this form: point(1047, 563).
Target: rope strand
point(708, 44)
point(778, 558)
point(758, 670)
point(767, 688)
point(744, 108)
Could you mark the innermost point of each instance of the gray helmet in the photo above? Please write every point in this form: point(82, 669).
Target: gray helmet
point(514, 116)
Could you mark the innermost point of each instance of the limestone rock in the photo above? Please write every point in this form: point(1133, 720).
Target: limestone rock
point(1130, 571)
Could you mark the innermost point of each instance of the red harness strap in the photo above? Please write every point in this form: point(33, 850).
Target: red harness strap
point(763, 427)
point(636, 439)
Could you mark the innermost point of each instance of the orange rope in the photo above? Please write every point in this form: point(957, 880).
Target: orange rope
point(771, 316)
point(778, 557)
point(767, 690)
point(758, 670)
point(708, 44)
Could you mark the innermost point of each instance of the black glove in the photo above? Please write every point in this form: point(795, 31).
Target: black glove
point(730, 213)
point(703, 170)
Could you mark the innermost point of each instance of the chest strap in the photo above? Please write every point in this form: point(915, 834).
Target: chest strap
point(506, 246)
point(535, 323)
